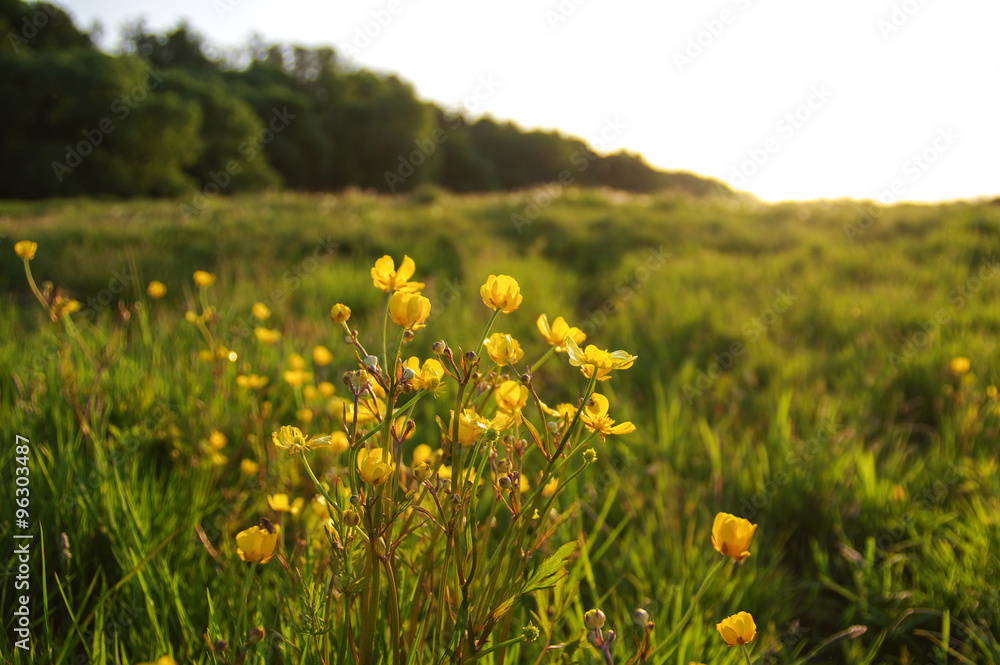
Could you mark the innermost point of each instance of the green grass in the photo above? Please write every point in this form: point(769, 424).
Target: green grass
point(837, 390)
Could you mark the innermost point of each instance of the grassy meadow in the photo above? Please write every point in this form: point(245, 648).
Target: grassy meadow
point(799, 365)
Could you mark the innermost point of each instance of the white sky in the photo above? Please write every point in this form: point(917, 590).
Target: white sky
point(882, 94)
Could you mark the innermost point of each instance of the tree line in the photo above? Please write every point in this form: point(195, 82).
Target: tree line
point(162, 117)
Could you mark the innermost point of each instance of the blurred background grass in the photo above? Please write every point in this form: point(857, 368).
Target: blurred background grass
point(793, 369)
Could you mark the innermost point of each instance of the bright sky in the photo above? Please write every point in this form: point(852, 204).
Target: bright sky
point(787, 99)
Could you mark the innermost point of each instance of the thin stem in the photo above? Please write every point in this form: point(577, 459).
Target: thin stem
point(746, 653)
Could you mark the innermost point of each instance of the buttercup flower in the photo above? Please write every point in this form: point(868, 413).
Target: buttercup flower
point(248, 467)
point(203, 278)
point(511, 396)
point(731, 536)
point(501, 292)
point(738, 629)
point(470, 427)
point(156, 290)
point(503, 349)
point(386, 277)
point(959, 365)
point(426, 376)
point(251, 381)
point(279, 503)
point(340, 313)
point(25, 249)
point(375, 465)
point(594, 359)
point(409, 310)
point(266, 335)
point(260, 311)
point(289, 438)
point(595, 417)
point(422, 453)
point(257, 544)
point(217, 440)
point(322, 355)
point(556, 334)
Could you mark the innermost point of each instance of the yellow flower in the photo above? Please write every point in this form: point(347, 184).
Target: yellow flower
point(289, 438)
point(295, 361)
point(560, 330)
point(409, 310)
point(511, 396)
point(503, 349)
point(375, 465)
point(308, 392)
point(991, 392)
point(156, 290)
point(340, 313)
point(386, 277)
point(203, 278)
point(470, 427)
point(959, 365)
point(248, 467)
point(296, 377)
point(594, 359)
point(595, 417)
point(266, 335)
point(217, 440)
point(260, 311)
point(258, 543)
point(427, 376)
point(731, 536)
point(63, 306)
point(322, 355)
point(251, 381)
point(25, 249)
point(304, 415)
point(339, 442)
point(326, 389)
point(279, 504)
point(501, 292)
point(738, 629)
point(550, 487)
point(421, 453)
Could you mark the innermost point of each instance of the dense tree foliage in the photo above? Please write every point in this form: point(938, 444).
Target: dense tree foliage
point(166, 116)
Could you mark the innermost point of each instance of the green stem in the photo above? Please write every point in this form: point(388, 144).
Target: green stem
point(246, 595)
point(541, 361)
point(746, 652)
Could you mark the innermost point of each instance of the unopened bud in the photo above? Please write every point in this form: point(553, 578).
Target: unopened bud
point(355, 500)
point(525, 379)
point(220, 645)
point(503, 465)
point(470, 356)
point(370, 361)
point(438, 347)
point(505, 482)
point(408, 374)
point(256, 635)
point(552, 426)
point(594, 619)
point(422, 472)
point(351, 518)
point(407, 336)
point(640, 618)
point(446, 484)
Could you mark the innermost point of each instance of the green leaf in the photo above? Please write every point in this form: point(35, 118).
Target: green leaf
point(551, 570)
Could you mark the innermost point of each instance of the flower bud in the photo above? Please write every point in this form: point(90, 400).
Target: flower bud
point(256, 635)
point(370, 361)
point(355, 500)
point(552, 426)
point(446, 485)
point(525, 379)
point(351, 518)
point(470, 356)
point(594, 619)
point(503, 465)
point(220, 645)
point(505, 482)
point(422, 472)
point(438, 347)
point(408, 375)
point(640, 618)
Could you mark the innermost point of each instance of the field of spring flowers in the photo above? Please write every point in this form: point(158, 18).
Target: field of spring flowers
point(513, 428)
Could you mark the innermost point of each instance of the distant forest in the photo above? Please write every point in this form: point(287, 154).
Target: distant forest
point(163, 118)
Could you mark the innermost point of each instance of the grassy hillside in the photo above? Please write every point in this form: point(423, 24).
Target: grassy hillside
point(796, 368)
